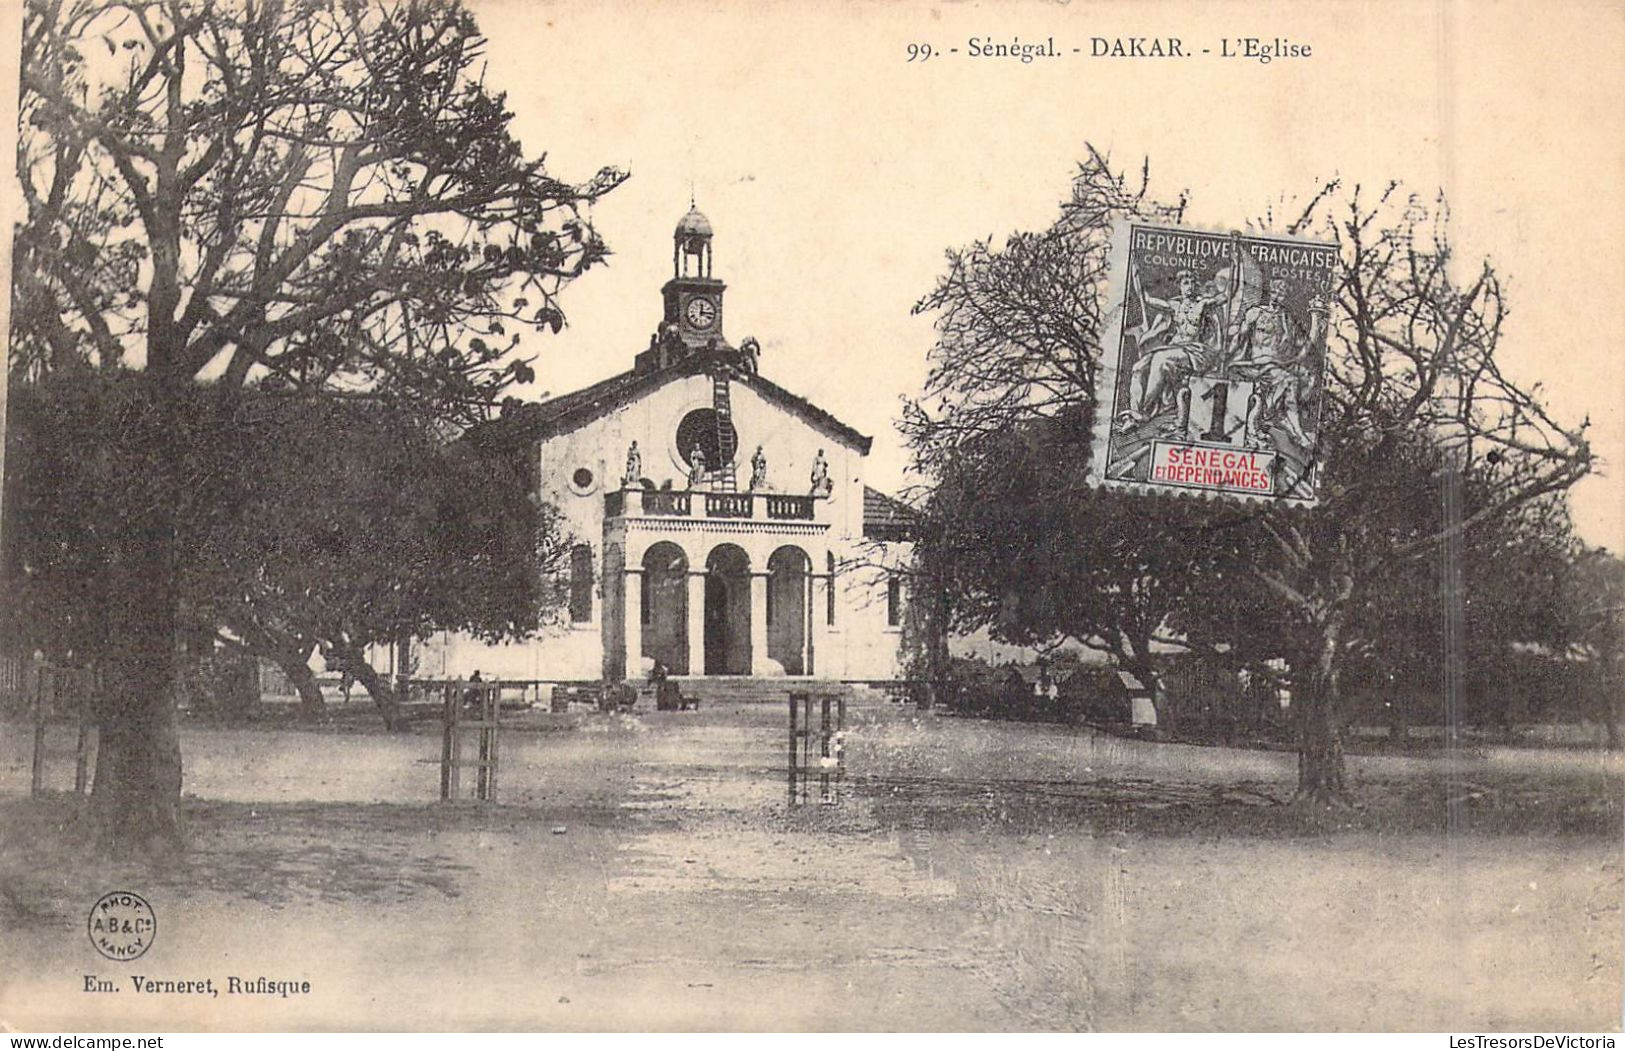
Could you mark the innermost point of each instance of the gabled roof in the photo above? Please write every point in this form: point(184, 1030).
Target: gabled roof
point(886, 517)
point(570, 411)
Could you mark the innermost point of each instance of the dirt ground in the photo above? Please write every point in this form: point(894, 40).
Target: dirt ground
point(644, 872)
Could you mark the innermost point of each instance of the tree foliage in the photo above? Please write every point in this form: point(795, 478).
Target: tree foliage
point(1026, 551)
point(360, 527)
point(318, 523)
point(1593, 630)
point(318, 193)
point(307, 195)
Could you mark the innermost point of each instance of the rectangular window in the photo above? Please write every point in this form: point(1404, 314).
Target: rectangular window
point(581, 584)
point(894, 602)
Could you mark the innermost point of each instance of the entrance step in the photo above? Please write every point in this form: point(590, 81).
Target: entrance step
point(740, 689)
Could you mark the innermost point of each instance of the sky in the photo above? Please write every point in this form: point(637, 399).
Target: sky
point(836, 173)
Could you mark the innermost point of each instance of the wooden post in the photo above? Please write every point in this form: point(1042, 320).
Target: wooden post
point(456, 688)
point(89, 734)
point(81, 756)
point(448, 717)
point(840, 744)
point(823, 751)
point(482, 745)
point(795, 698)
point(485, 723)
point(806, 748)
point(485, 768)
point(36, 784)
point(491, 751)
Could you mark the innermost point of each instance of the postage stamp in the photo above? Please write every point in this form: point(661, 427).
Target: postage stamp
point(1214, 365)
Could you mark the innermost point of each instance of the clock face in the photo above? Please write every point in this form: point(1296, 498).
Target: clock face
point(701, 312)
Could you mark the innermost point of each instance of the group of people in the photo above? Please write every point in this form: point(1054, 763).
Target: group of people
point(668, 697)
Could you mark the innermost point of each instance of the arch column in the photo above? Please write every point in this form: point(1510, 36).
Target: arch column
point(817, 654)
point(632, 619)
point(696, 621)
point(758, 622)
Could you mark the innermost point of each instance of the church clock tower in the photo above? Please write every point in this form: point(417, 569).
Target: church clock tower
point(692, 319)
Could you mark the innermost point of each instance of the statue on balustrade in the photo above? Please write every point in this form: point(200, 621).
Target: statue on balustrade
point(750, 352)
point(821, 484)
point(758, 470)
point(697, 467)
point(634, 465)
point(671, 341)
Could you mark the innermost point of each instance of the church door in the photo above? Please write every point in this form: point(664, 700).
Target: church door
point(727, 612)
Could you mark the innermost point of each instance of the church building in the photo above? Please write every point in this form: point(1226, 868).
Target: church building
point(722, 524)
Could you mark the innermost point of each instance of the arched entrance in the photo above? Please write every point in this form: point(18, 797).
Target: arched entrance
point(727, 611)
point(665, 606)
point(787, 597)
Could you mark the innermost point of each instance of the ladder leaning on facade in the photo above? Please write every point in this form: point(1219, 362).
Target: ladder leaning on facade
point(723, 478)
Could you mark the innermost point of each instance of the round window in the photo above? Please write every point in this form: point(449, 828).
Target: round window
point(700, 428)
point(583, 481)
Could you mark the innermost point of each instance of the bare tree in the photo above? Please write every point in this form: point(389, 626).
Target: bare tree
point(1424, 436)
point(305, 195)
point(1417, 404)
point(1019, 325)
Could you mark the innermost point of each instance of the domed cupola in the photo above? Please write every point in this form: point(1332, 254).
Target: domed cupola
point(694, 224)
point(692, 319)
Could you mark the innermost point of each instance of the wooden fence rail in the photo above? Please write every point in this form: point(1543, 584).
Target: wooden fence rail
point(470, 711)
point(53, 695)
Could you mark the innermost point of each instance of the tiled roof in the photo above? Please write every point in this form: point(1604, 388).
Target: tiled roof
point(886, 517)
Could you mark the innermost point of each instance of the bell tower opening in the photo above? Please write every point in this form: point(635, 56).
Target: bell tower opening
point(691, 320)
point(691, 245)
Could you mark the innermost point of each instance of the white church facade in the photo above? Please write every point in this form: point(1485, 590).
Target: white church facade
point(722, 525)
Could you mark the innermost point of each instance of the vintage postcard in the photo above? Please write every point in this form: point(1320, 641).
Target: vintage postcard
point(827, 516)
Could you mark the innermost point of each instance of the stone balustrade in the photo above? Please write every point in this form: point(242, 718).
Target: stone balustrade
point(696, 503)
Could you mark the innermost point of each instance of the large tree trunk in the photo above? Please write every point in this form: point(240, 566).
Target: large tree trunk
point(295, 666)
point(311, 702)
point(136, 793)
point(377, 687)
point(1399, 719)
point(1134, 656)
point(937, 692)
point(1322, 779)
point(1609, 701)
point(291, 655)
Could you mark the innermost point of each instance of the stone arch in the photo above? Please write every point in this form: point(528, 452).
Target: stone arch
point(789, 594)
point(663, 606)
point(727, 611)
